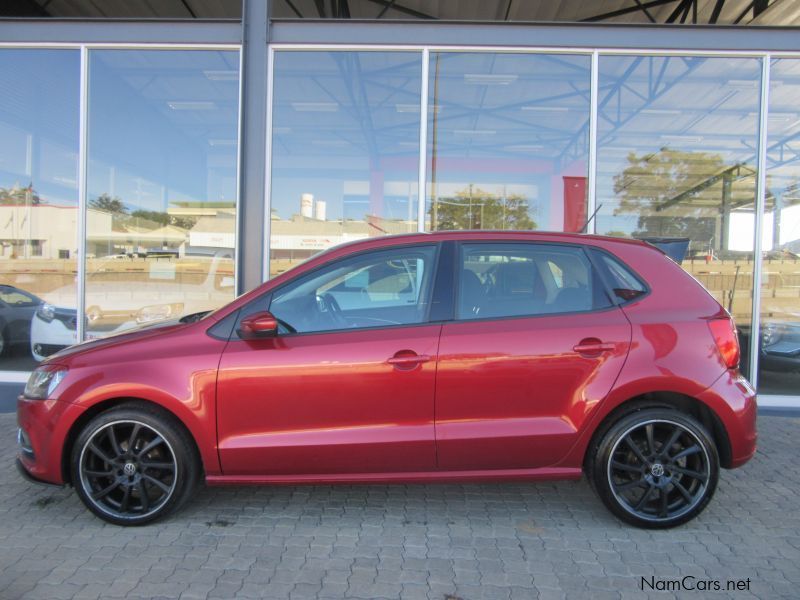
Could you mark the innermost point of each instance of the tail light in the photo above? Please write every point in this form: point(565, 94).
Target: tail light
point(724, 333)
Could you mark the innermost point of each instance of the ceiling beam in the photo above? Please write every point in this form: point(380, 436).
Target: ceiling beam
point(403, 9)
point(630, 9)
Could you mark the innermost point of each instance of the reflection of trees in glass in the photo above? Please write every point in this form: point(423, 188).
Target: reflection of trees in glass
point(139, 217)
point(474, 208)
point(25, 196)
point(671, 192)
point(108, 204)
point(163, 218)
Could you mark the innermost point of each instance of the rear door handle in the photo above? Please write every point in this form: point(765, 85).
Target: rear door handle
point(593, 347)
point(407, 359)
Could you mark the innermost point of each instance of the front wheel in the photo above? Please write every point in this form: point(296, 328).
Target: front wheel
point(134, 464)
point(656, 468)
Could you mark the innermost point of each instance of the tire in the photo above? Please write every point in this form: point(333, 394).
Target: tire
point(655, 468)
point(4, 339)
point(134, 464)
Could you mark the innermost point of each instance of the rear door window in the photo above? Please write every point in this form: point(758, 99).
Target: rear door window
point(518, 279)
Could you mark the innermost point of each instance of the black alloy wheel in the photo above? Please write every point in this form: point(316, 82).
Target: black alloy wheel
point(131, 465)
point(656, 468)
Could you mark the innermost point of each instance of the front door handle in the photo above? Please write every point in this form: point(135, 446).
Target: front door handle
point(593, 347)
point(407, 359)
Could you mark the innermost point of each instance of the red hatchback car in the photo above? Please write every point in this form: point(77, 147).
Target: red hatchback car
point(461, 357)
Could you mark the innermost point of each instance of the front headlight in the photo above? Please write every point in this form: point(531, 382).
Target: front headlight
point(159, 312)
point(770, 334)
point(44, 381)
point(46, 312)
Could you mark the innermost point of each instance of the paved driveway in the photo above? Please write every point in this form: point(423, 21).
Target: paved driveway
point(445, 542)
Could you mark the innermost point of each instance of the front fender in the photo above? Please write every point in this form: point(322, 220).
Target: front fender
point(196, 412)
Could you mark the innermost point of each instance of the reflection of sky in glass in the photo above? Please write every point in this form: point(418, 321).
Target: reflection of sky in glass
point(163, 126)
point(510, 125)
point(39, 112)
point(783, 156)
point(346, 129)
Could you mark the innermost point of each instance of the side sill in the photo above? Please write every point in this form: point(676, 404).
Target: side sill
point(545, 474)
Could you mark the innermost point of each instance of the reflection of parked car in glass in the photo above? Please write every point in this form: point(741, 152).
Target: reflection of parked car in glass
point(780, 347)
point(16, 309)
point(52, 329)
point(113, 306)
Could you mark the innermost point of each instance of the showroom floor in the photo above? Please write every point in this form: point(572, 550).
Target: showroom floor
point(445, 542)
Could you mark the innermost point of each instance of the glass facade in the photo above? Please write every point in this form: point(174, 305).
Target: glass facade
point(779, 342)
point(159, 212)
point(668, 151)
point(668, 169)
point(508, 141)
point(161, 185)
point(345, 140)
point(39, 129)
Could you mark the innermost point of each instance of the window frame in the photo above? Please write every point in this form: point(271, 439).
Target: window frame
point(458, 263)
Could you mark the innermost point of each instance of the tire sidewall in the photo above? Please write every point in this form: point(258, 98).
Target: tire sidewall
point(602, 456)
point(186, 463)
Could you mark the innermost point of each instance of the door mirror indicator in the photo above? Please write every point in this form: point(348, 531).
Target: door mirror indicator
point(258, 325)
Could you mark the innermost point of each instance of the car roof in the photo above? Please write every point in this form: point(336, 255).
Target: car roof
point(479, 235)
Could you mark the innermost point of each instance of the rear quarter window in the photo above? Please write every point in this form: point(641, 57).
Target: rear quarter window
point(625, 284)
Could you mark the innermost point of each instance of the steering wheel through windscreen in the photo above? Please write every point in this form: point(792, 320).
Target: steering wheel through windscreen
point(328, 305)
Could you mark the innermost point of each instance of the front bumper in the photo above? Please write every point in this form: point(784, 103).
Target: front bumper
point(28, 477)
point(47, 338)
point(733, 399)
point(46, 425)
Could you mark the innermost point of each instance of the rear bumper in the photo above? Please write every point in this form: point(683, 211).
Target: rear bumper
point(733, 399)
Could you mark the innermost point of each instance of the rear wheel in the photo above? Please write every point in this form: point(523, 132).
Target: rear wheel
point(134, 464)
point(656, 468)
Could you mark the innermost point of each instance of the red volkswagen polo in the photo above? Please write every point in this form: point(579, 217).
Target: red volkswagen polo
point(462, 357)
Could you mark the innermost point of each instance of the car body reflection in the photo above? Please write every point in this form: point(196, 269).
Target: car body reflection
point(116, 308)
point(16, 309)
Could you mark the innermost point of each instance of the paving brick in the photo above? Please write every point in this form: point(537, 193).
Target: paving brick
point(506, 541)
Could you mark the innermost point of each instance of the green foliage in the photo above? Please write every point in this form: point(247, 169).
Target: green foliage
point(474, 208)
point(651, 187)
point(106, 203)
point(20, 196)
point(163, 218)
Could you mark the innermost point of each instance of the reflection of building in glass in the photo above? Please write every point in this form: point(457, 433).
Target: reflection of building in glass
point(38, 231)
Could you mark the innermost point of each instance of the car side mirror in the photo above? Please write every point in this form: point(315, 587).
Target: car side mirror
point(258, 325)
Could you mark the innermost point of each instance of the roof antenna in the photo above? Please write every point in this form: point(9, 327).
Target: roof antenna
point(589, 220)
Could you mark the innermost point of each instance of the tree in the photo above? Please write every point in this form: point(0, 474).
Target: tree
point(163, 218)
point(108, 204)
point(24, 196)
point(674, 193)
point(474, 208)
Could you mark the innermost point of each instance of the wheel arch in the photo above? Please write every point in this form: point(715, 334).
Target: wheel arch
point(665, 399)
point(100, 407)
